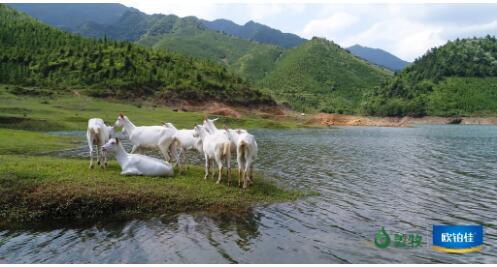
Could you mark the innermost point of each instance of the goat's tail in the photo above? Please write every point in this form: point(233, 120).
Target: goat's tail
point(227, 148)
point(227, 153)
point(242, 149)
point(94, 131)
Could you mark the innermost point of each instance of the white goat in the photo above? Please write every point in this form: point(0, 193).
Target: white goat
point(97, 135)
point(134, 164)
point(146, 136)
point(183, 140)
point(246, 150)
point(216, 147)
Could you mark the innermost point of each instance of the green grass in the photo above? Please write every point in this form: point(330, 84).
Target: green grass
point(35, 189)
point(68, 112)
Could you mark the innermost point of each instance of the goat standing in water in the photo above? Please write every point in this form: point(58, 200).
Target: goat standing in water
point(216, 147)
point(97, 135)
point(134, 164)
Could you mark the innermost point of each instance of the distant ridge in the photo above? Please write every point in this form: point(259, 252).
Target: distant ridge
point(379, 57)
point(256, 32)
point(58, 16)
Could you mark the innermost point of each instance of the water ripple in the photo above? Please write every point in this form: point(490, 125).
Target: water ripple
point(403, 179)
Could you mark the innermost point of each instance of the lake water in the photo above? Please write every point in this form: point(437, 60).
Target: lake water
point(403, 179)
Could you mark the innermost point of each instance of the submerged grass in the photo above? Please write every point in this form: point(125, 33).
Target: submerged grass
point(30, 143)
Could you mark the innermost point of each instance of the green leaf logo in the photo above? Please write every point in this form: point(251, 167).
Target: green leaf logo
point(382, 239)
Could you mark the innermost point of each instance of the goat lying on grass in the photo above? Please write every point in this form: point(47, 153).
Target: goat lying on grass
point(97, 134)
point(216, 147)
point(134, 164)
point(246, 150)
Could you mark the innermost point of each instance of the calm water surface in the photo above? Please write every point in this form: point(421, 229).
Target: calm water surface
point(403, 179)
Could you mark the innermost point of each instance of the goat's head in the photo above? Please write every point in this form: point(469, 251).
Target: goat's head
point(111, 145)
point(120, 120)
point(197, 130)
point(209, 124)
point(168, 125)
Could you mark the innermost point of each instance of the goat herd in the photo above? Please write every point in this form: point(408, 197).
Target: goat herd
point(216, 146)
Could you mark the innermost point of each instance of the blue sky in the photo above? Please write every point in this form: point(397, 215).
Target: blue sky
point(406, 30)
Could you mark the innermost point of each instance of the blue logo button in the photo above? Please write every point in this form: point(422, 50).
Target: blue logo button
point(457, 238)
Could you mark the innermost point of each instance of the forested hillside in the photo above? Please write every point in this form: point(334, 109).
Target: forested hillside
point(190, 37)
point(458, 78)
point(319, 75)
point(32, 53)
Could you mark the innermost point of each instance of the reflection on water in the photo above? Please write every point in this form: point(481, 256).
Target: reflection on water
point(403, 179)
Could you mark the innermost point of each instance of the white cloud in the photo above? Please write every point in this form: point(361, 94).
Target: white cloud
point(404, 38)
point(330, 26)
point(182, 9)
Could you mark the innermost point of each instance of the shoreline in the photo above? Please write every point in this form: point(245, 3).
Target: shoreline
point(329, 120)
point(35, 187)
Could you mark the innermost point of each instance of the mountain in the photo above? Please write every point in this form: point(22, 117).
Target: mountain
point(255, 32)
point(34, 54)
point(189, 36)
point(319, 75)
point(70, 16)
point(378, 57)
point(458, 78)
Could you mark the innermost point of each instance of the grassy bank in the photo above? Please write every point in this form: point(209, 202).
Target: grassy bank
point(40, 110)
point(37, 188)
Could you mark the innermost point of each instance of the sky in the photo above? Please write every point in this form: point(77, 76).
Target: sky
point(405, 30)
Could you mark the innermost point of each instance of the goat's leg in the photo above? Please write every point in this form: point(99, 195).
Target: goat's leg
point(102, 157)
point(211, 162)
point(98, 156)
point(105, 158)
point(163, 151)
point(244, 178)
point(135, 147)
point(250, 177)
point(206, 167)
point(228, 164)
point(91, 157)
point(220, 169)
point(240, 167)
point(178, 159)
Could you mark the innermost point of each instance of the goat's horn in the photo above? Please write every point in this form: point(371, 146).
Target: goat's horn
point(121, 115)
